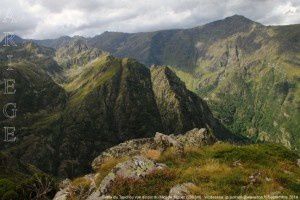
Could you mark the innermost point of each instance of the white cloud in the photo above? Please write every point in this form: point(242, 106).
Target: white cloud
point(54, 18)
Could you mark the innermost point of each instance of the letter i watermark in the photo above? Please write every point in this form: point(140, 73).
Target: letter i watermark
point(9, 62)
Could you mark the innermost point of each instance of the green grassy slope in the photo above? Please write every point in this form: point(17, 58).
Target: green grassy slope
point(255, 92)
point(217, 170)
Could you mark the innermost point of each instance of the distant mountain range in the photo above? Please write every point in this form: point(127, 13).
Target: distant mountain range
point(249, 73)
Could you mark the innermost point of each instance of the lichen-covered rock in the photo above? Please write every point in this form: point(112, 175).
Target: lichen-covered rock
point(255, 178)
point(165, 141)
point(196, 138)
point(128, 148)
point(91, 179)
point(135, 168)
point(65, 183)
point(61, 195)
point(181, 191)
point(67, 188)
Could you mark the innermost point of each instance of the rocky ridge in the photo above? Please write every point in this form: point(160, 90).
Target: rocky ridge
point(190, 165)
point(194, 138)
point(138, 164)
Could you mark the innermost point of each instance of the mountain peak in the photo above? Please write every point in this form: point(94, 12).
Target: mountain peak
point(227, 27)
point(233, 21)
point(238, 19)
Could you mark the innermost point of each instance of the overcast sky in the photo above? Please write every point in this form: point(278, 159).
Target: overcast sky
point(42, 19)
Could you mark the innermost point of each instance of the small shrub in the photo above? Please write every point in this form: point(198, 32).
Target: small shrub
point(231, 183)
point(288, 182)
point(10, 195)
point(5, 186)
point(80, 188)
point(39, 186)
point(156, 183)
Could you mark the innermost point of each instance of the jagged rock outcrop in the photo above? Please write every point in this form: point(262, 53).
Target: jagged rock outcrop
point(197, 137)
point(163, 142)
point(139, 166)
point(193, 138)
point(180, 109)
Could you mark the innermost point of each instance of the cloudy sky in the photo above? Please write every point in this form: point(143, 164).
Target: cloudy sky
point(53, 18)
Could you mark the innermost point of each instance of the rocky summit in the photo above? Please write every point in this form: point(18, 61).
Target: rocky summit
point(163, 164)
point(139, 163)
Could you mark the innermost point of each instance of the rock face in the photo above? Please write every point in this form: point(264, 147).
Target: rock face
point(135, 168)
point(180, 109)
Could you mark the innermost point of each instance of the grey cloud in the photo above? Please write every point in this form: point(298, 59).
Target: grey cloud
point(53, 18)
